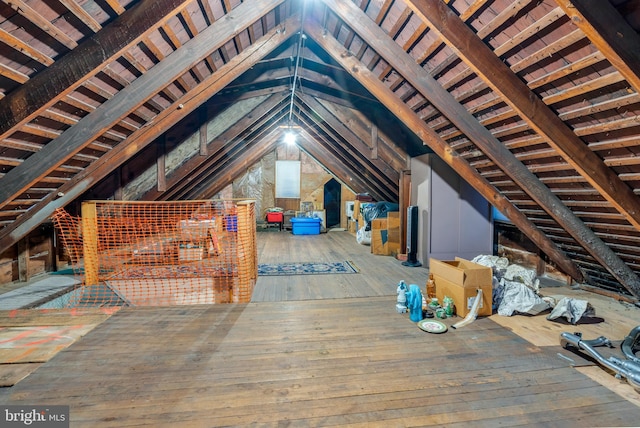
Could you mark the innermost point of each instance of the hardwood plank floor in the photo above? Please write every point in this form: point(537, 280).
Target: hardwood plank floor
point(316, 350)
point(379, 274)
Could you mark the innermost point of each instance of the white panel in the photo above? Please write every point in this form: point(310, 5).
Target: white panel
point(287, 179)
point(460, 216)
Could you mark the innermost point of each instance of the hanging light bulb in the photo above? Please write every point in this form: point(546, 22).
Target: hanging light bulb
point(290, 137)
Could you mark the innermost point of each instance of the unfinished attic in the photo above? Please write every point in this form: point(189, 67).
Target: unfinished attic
point(424, 131)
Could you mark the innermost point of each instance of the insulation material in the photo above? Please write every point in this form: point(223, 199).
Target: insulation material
point(518, 298)
point(498, 264)
point(572, 309)
point(250, 186)
point(521, 274)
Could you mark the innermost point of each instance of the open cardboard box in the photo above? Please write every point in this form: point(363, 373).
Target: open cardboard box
point(460, 279)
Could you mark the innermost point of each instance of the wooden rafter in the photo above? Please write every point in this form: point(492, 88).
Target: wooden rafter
point(610, 33)
point(96, 171)
point(57, 82)
point(82, 15)
point(237, 157)
point(194, 165)
point(387, 173)
point(255, 150)
point(26, 49)
point(39, 21)
point(334, 164)
point(323, 150)
point(381, 190)
point(532, 109)
point(116, 6)
point(76, 138)
point(65, 75)
point(440, 147)
point(12, 74)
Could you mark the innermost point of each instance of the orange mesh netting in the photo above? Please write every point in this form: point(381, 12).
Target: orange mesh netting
point(161, 253)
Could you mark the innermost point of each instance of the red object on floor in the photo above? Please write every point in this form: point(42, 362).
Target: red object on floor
point(275, 217)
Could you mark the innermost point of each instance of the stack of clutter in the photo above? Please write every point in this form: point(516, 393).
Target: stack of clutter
point(516, 289)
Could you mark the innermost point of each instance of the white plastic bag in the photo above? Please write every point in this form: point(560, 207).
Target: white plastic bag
point(363, 237)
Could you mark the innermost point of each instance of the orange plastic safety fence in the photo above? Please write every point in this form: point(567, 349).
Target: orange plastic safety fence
point(161, 253)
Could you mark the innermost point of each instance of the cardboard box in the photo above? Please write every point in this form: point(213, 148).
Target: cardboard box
point(393, 227)
point(460, 279)
point(385, 235)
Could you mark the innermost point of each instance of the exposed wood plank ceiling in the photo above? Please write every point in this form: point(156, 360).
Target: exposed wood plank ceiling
point(534, 102)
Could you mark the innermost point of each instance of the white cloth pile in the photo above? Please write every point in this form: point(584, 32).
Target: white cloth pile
point(516, 289)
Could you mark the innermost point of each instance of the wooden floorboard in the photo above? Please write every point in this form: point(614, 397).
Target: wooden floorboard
point(317, 350)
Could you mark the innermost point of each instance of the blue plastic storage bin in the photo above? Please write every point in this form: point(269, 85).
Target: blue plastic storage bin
point(306, 226)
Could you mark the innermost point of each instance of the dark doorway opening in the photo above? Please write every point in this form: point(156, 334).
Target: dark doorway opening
point(332, 197)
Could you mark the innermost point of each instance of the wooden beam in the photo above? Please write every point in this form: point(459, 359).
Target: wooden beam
point(374, 141)
point(82, 15)
point(334, 164)
point(242, 155)
point(196, 163)
point(490, 68)
point(102, 118)
point(238, 165)
point(12, 74)
point(440, 147)
point(49, 86)
point(610, 33)
point(404, 201)
point(24, 48)
point(115, 5)
point(361, 147)
point(388, 150)
point(202, 131)
point(96, 171)
point(23, 259)
point(90, 249)
point(377, 185)
point(41, 22)
point(161, 168)
point(117, 184)
point(350, 170)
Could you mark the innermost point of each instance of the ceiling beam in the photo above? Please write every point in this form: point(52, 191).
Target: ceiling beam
point(74, 139)
point(490, 68)
point(239, 157)
point(610, 33)
point(42, 23)
point(344, 164)
point(111, 160)
point(196, 162)
point(227, 145)
point(253, 153)
point(501, 156)
point(388, 149)
point(440, 147)
point(46, 88)
point(382, 170)
point(332, 163)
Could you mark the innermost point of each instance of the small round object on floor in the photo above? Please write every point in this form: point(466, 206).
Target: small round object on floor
point(432, 326)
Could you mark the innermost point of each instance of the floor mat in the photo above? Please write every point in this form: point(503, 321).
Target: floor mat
point(307, 268)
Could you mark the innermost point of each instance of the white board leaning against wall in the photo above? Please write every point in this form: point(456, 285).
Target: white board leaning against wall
point(287, 179)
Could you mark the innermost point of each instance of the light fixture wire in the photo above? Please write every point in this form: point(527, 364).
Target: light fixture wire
point(297, 65)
